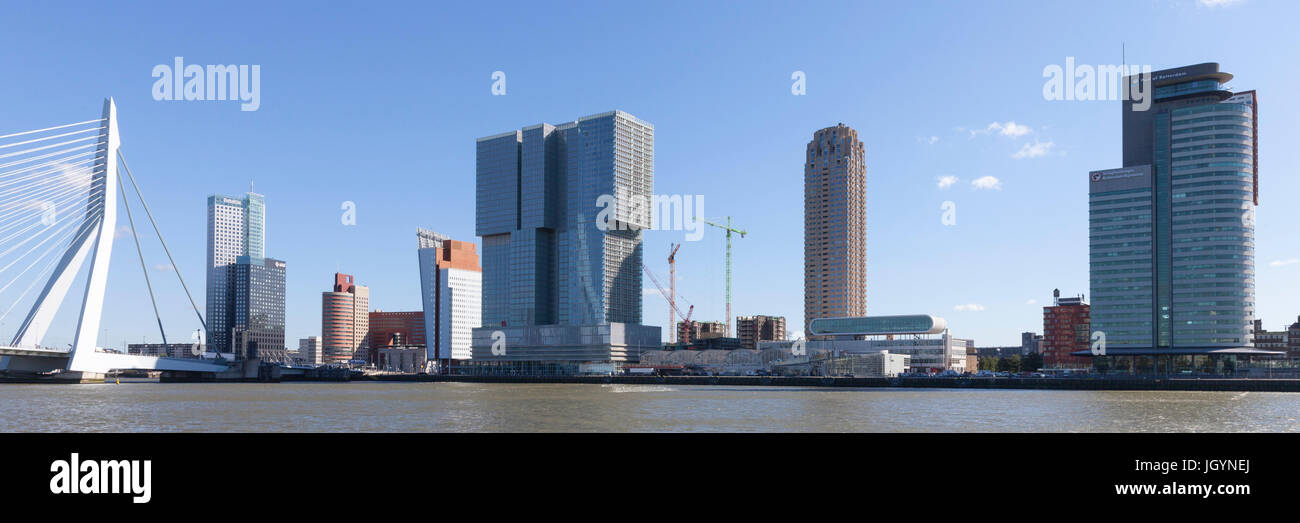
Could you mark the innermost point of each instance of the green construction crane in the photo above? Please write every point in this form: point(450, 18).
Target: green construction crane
point(729, 230)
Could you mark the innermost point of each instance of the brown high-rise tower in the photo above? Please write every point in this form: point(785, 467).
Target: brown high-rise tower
point(835, 225)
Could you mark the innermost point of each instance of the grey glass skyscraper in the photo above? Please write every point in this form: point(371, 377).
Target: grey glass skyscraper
point(257, 301)
point(236, 227)
point(546, 262)
point(1172, 233)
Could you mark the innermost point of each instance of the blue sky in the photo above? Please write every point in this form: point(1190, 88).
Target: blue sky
point(380, 104)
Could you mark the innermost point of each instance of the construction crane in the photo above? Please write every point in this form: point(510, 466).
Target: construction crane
point(729, 230)
point(672, 286)
point(685, 335)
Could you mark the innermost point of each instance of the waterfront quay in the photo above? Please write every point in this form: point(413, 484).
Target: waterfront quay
point(1108, 383)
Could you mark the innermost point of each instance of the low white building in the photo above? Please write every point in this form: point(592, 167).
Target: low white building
point(409, 359)
point(924, 338)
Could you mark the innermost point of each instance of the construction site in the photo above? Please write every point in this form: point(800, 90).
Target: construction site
point(691, 341)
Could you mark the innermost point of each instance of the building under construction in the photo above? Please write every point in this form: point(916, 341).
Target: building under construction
point(753, 329)
point(702, 330)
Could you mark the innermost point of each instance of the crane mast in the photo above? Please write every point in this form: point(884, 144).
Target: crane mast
point(729, 230)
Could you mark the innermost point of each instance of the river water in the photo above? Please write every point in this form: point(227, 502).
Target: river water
point(472, 407)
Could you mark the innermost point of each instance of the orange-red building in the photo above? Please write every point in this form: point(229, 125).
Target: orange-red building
point(344, 319)
point(405, 328)
point(1066, 326)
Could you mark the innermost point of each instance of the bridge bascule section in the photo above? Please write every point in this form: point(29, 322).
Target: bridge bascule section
point(59, 198)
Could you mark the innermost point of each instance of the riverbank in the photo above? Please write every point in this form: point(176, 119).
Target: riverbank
point(1173, 384)
point(1109, 383)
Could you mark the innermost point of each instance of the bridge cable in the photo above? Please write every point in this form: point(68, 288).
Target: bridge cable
point(40, 274)
point(143, 268)
point(61, 144)
point(19, 212)
point(52, 128)
point(66, 161)
point(53, 136)
point(47, 206)
point(48, 155)
point(161, 240)
point(34, 247)
point(73, 177)
point(56, 245)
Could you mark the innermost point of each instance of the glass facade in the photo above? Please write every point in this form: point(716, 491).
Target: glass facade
point(258, 304)
point(545, 260)
point(236, 227)
point(1212, 232)
point(877, 325)
point(1121, 234)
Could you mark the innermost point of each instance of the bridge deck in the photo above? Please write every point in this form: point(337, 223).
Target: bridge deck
point(125, 361)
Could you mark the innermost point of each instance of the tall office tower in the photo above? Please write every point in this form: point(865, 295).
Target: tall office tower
point(1172, 232)
point(835, 226)
point(548, 258)
point(1066, 325)
point(753, 329)
point(344, 320)
point(257, 292)
point(236, 227)
point(451, 284)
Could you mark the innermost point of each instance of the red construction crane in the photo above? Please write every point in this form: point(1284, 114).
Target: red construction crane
point(672, 286)
point(685, 335)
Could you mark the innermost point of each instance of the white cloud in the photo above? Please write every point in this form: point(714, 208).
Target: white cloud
point(122, 232)
point(1031, 301)
point(1280, 263)
point(1013, 129)
point(1218, 3)
point(946, 181)
point(986, 182)
point(1010, 128)
point(933, 140)
point(164, 267)
point(1033, 150)
point(650, 292)
point(969, 307)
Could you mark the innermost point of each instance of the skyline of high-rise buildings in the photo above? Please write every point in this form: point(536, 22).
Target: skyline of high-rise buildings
point(1171, 232)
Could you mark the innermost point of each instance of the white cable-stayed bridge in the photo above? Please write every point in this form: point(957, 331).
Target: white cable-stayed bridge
point(60, 189)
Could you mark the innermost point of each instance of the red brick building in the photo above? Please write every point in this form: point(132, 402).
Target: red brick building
point(406, 326)
point(1066, 329)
